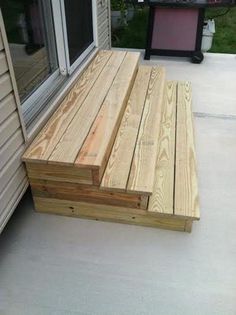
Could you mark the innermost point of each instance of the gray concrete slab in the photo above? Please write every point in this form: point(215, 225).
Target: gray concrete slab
point(59, 265)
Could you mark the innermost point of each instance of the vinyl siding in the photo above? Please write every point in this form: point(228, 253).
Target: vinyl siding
point(13, 180)
point(103, 24)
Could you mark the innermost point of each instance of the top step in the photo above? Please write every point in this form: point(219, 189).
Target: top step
point(107, 126)
point(97, 91)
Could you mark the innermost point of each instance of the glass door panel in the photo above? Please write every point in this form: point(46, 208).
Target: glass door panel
point(79, 24)
point(30, 31)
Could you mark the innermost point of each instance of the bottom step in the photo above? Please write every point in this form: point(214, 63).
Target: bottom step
point(112, 213)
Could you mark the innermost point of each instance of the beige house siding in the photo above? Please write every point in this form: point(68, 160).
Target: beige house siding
point(13, 180)
point(103, 21)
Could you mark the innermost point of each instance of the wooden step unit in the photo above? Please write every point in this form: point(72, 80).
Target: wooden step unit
point(119, 148)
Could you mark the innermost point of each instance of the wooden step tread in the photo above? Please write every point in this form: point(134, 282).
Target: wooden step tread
point(42, 147)
point(132, 161)
point(71, 123)
point(175, 189)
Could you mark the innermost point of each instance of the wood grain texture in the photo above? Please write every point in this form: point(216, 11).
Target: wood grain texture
point(186, 188)
point(142, 173)
point(45, 142)
point(107, 213)
point(162, 199)
point(70, 144)
point(118, 167)
point(86, 193)
point(58, 173)
point(98, 144)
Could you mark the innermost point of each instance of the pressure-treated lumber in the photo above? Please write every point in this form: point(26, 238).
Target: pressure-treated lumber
point(45, 142)
point(60, 173)
point(86, 193)
point(126, 153)
point(118, 168)
point(109, 213)
point(98, 144)
point(70, 144)
point(142, 176)
point(162, 199)
point(186, 188)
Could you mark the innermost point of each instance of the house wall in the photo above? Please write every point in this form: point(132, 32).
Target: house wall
point(13, 178)
point(103, 22)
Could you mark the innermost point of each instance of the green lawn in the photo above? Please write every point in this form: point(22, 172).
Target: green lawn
point(134, 34)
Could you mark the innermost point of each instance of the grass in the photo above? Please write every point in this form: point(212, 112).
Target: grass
point(134, 34)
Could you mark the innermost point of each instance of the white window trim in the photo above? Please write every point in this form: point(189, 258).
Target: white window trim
point(62, 39)
point(44, 90)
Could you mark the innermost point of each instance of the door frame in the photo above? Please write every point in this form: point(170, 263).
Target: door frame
point(62, 38)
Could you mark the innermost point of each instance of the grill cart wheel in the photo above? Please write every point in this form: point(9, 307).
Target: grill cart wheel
point(197, 57)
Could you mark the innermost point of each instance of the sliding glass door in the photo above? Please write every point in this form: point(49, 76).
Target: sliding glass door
point(79, 25)
point(48, 39)
point(32, 44)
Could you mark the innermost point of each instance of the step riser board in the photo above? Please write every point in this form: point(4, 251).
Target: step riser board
point(86, 193)
point(109, 213)
point(59, 173)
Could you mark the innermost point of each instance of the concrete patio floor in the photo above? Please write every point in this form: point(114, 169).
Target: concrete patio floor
point(59, 265)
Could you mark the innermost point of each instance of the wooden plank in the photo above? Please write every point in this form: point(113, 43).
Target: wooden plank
point(68, 147)
point(162, 199)
point(142, 173)
point(188, 226)
point(7, 106)
point(3, 63)
point(186, 187)
point(118, 167)
point(45, 142)
point(98, 144)
point(106, 213)
point(5, 85)
point(86, 193)
point(59, 173)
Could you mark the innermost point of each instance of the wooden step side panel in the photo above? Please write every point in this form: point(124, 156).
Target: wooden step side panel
point(118, 168)
point(85, 193)
point(98, 144)
point(162, 199)
point(142, 173)
point(186, 201)
point(59, 173)
point(109, 213)
point(44, 144)
point(72, 140)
